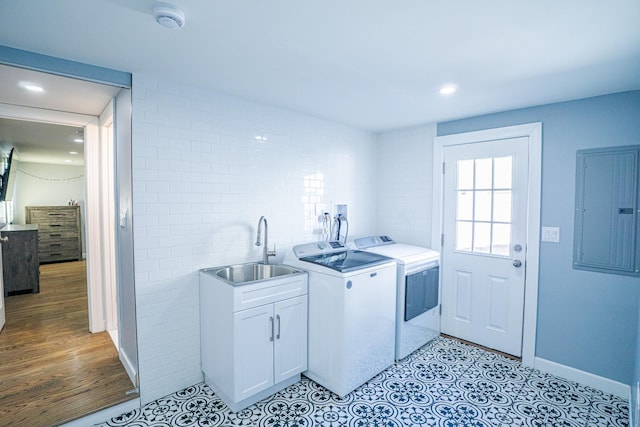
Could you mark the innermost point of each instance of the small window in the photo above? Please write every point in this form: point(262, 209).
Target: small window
point(606, 211)
point(483, 211)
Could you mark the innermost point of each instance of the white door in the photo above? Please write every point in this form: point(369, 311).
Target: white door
point(484, 242)
point(253, 331)
point(290, 353)
point(2, 309)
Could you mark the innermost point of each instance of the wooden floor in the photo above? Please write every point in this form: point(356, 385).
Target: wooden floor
point(52, 370)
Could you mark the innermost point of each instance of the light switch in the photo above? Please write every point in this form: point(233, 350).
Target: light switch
point(123, 218)
point(551, 234)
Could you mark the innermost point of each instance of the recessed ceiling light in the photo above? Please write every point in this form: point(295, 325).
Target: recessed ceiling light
point(261, 138)
point(67, 161)
point(78, 140)
point(73, 152)
point(31, 87)
point(448, 89)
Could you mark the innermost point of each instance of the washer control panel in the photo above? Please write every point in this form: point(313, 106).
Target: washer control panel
point(369, 242)
point(315, 248)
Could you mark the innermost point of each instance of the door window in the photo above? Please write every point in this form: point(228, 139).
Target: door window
point(483, 208)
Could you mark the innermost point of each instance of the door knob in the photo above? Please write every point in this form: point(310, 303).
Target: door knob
point(517, 263)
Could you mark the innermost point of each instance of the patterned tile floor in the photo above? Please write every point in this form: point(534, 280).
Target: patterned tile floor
point(446, 383)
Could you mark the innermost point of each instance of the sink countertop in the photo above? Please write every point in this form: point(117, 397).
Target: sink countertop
point(19, 227)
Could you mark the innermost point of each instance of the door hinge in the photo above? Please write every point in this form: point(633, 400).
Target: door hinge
point(442, 239)
point(440, 309)
point(442, 168)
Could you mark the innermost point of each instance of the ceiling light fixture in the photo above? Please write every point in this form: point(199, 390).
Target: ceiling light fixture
point(448, 89)
point(31, 87)
point(73, 152)
point(168, 15)
point(78, 140)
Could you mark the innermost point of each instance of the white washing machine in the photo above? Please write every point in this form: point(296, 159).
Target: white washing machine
point(351, 313)
point(418, 290)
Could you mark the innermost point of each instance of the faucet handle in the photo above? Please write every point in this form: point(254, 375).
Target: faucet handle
point(273, 252)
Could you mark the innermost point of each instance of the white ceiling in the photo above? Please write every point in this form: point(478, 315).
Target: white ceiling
point(48, 142)
point(43, 142)
point(60, 93)
point(372, 64)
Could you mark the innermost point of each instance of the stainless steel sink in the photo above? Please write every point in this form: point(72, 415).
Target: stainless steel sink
point(244, 273)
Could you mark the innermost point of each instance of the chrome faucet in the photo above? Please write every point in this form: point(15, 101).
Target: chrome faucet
point(266, 253)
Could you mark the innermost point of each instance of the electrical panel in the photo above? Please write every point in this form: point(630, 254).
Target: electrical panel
point(606, 226)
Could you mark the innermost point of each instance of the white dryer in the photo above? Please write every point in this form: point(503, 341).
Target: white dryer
point(351, 313)
point(418, 290)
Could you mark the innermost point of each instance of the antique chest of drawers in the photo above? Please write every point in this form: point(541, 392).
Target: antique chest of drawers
point(58, 231)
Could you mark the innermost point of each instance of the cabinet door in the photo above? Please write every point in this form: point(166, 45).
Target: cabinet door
point(2, 309)
point(291, 337)
point(253, 351)
point(20, 258)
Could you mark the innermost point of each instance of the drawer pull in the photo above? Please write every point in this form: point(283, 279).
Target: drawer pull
point(55, 225)
point(55, 235)
point(55, 244)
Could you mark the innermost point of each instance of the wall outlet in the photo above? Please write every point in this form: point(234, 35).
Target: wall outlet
point(341, 210)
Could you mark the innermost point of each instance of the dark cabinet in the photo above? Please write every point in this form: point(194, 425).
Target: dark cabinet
point(20, 261)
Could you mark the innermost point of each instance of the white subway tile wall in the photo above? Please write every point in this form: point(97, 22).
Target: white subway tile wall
point(404, 188)
point(206, 166)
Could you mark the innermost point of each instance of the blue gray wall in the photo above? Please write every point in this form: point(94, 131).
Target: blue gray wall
point(586, 320)
point(634, 405)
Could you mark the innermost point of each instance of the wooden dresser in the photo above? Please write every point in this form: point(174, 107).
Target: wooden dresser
point(59, 232)
point(21, 269)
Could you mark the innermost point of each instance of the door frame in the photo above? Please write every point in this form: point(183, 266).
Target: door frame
point(91, 230)
point(106, 122)
point(533, 132)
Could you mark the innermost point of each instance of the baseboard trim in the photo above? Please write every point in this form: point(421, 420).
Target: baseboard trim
point(634, 405)
point(105, 415)
point(601, 383)
point(128, 366)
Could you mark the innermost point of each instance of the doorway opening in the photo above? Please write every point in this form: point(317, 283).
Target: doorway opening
point(89, 288)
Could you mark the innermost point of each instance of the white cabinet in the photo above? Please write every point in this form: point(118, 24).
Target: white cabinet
point(291, 338)
point(253, 349)
point(253, 337)
point(270, 344)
